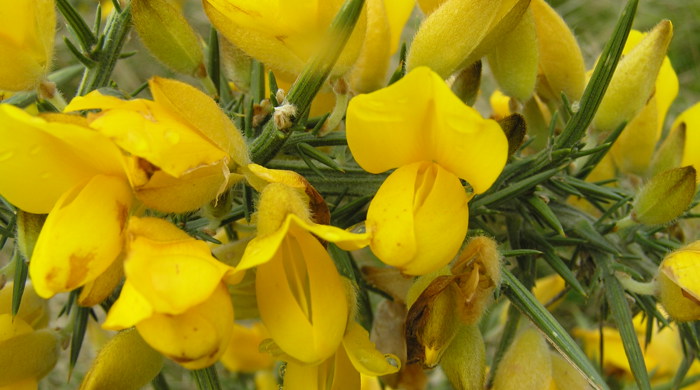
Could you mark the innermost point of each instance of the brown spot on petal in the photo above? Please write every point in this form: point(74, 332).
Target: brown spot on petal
point(78, 269)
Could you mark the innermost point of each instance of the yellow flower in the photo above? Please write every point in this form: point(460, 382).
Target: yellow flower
point(356, 357)
point(302, 298)
point(634, 148)
point(633, 81)
point(243, 352)
point(182, 147)
point(689, 122)
point(679, 284)
point(419, 216)
point(281, 34)
point(174, 294)
point(662, 356)
point(385, 21)
point(77, 177)
point(26, 41)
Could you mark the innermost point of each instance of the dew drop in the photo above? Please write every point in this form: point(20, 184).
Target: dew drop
point(6, 155)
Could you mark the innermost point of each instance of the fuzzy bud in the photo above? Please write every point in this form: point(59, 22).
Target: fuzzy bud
point(665, 197)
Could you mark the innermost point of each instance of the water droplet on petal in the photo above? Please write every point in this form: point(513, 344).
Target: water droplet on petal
point(35, 150)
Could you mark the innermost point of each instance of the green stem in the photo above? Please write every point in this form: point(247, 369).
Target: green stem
point(116, 32)
point(309, 82)
point(352, 182)
point(207, 378)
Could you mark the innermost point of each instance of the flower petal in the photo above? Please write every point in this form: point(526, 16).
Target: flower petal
point(418, 218)
point(36, 166)
point(172, 274)
point(151, 131)
point(302, 299)
point(82, 235)
point(364, 355)
point(196, 338)
point(128, 310)
point(203, 114)
point(419, 119)
point(188, 192)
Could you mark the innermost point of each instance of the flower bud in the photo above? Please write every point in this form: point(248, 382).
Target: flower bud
point(477, 274)
point(430, 324)
point(679, 287)
point(33, 310)
point(561, 65)
point(28, 29)
point(126, 362)
point(634, 79)
point(514, 61)
point(665, 197)
point(565, 376)
point(443, 44)
point(24, 353)
point(464, 361)
point(526, 365)
point(167, 35)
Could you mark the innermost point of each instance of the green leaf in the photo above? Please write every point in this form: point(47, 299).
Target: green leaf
point(20, 280)
point(615, 296)
point(593, 95)
point(77, 24)
point(545, 214)
point(80, 321)
point(512, 190)
point(555, 333)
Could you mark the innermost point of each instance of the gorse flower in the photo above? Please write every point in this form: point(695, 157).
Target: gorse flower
point(174, 294)
point(679, 287)
point(418, 218)
point(28, 29)
point(303, 301)
point(282, 35)
point(77, 176)
point(181, 147)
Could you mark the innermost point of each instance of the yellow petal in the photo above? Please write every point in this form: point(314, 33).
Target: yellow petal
point(561, 62)
point(418, 218)
point(243, 354)
point(188, 192)
point(691, 119)
point(397, 13)
point(127, 311)
point(302, 298)
point(28, 33)
point(172, 274)
point(151, 131)
point(282, 35)
point(422, 120)
point(261, 249)
point(37, 167)
point(370, 69)
point(34, 310)
point(196, 338)
point(82, 235)
point(203, 114)
point(364, 355)
point(634, 148)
